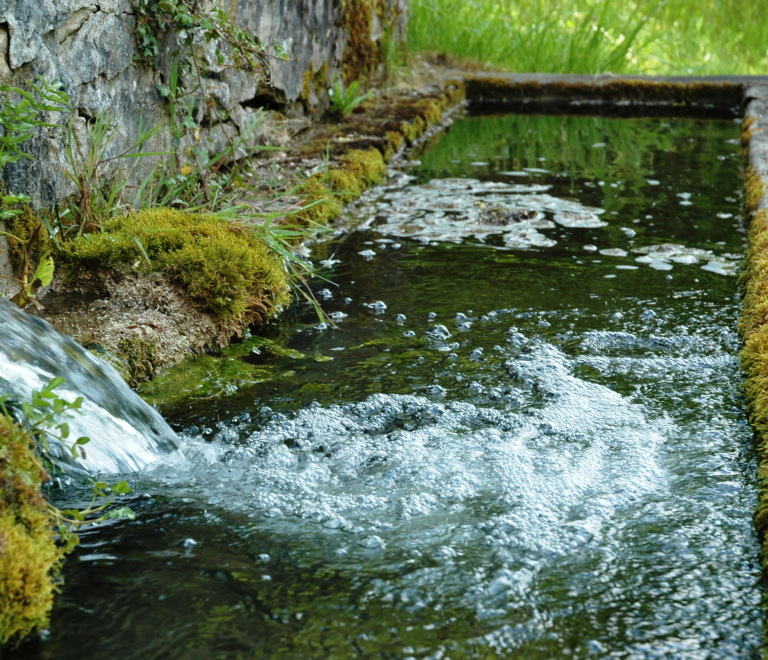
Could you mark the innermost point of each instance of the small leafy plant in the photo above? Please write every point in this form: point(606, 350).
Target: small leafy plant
point(20, 118)
point(43, 418)
point(345, 101)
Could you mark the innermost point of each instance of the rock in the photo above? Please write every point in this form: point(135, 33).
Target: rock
point(91, 46)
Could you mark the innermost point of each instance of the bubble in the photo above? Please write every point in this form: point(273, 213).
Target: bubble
point(440, 332)
point(372, 542)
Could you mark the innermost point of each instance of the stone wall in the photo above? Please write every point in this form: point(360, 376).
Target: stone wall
point(90, 46)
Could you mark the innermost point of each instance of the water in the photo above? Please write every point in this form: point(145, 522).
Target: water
point(125, 433)
point(500, 451)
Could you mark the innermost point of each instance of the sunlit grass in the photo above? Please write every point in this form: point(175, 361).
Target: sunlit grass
point(595, 36)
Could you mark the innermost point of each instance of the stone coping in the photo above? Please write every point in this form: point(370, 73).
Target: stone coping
point(697, 96)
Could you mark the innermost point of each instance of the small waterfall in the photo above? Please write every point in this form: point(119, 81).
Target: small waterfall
point(126, 434)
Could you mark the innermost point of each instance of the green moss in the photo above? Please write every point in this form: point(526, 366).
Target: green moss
point(29, 557)
point(344, 184)
point(221, 265)
point(394, 142)
point(362, 55)
point(25, 226)
point(324, 194)
point(321, 205)
point(754, 188)
point(367, 167)
point(315, 83)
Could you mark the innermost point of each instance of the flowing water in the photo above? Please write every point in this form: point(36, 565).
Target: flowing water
point(126, 433)
point(524, 437)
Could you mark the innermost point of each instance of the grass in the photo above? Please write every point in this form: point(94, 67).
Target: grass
point(683, 37)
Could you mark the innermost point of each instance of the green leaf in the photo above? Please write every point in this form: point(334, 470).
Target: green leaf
point(121, 512)
point(44, 271)
point(141, 247)
point(121, 488)
point(55, 382)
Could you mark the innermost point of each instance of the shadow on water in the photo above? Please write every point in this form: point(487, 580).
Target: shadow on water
point(525, 438)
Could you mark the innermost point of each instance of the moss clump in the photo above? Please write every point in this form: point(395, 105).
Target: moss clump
point(394, 142)
point(754, 188)
point(321, 205)
point(324, 194)
point(748, 128)
point(29, 557)
point(368, 167)
point(28, 235)
point(219, 263)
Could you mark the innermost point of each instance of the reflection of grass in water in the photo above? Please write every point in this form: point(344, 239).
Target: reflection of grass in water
point(568, 144)
point(592, 36)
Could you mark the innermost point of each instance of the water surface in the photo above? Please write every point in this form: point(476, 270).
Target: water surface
point(524, 438)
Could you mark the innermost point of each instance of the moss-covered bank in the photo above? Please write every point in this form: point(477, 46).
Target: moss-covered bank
point(29, 556)
point(220, 264)
point(359, 146)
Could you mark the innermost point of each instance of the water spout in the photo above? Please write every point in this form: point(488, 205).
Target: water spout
point(126, 434)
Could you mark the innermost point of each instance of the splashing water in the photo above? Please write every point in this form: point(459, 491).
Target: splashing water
point(126, 434)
